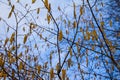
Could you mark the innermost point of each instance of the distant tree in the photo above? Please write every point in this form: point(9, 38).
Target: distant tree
point(114, 8)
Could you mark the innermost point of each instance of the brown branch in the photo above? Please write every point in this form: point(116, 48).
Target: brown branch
point(111, 56)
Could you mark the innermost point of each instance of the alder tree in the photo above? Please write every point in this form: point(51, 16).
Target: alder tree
point(59, 40)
